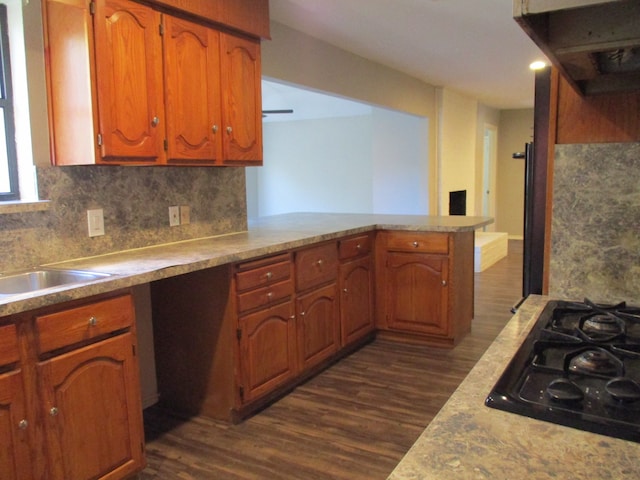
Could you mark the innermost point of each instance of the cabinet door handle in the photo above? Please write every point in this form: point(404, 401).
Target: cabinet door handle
point(444, 283)
point(53, 412)
point(93, 321)
point(415, 244)
point(155, 121)
point(302, 314)
point(229, 130)
point(358, 247)
point(269, 275)
point(269, 295)
point(319, 262)
point(214, 129)
point(23, 424)
point(345, 290)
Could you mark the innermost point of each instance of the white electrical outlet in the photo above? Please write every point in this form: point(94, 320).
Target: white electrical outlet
point(95, 222)
point(185, 215)
point(174, 216)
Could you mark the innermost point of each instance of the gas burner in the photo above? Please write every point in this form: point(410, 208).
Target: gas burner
point(564, 390)
point(601, 327)
point(623, 389)
point(594, 361)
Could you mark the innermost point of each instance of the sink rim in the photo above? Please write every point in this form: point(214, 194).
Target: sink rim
point(35, 280)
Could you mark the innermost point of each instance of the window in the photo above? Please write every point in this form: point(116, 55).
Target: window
point(9, 189)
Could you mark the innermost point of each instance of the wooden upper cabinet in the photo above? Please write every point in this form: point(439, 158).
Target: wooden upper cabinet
point(129, 80)
point(192, 91)
point(130, 85)
point(241, 100)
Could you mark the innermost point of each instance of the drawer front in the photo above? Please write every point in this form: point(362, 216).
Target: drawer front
point(418, 242)
point(8, 345)
point(60, 329)
point(354, 246)
point(316, 265)
point(265, 296)
point(259, 277)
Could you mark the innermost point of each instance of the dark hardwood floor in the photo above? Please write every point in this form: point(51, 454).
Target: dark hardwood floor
point(355, 420)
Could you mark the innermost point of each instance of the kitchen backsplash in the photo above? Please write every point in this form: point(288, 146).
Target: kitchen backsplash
point(595, 231)
point(135, 201)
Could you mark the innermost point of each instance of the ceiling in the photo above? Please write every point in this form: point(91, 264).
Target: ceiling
point(473, 47)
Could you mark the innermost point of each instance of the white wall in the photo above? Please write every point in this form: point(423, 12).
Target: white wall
point(400, 163)
point(374, 163)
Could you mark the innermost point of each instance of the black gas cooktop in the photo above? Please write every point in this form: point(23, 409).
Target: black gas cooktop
point(580, 367)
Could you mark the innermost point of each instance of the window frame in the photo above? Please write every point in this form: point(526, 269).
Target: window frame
point(7, 105)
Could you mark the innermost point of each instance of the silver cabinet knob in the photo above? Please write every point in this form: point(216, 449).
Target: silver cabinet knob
point(345, 290)
point(415, 244)
point(155, 121)
point(269, 275)
point(444, 283)
point(358, 246)
point(229, 130)
point(93, 321)
point(214, 129)
point(23, 424)
point(269, 295)
point(53, 412)
point(319, 262)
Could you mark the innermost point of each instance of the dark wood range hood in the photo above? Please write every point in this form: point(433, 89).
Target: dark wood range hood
point(595, 44)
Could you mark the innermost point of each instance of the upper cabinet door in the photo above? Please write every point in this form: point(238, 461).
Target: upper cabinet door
point(129, 79)
point(242, 100)
point(192, 91)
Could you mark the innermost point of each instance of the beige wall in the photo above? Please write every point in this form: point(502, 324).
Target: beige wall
point(516, 128)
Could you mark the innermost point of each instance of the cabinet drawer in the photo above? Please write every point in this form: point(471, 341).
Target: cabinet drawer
point(264, 296)
point(354, 246)
point(8, 345)
point(316, 265)
point(261, 276)
point(59, 329)
point(418, 242)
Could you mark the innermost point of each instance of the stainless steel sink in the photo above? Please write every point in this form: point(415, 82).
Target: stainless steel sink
point(43, 278)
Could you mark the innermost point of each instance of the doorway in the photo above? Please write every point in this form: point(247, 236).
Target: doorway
point(489, 161)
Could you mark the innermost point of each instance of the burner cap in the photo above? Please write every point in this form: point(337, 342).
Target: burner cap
point(623, 389)
point(601, 327)
point(564, 390)
point(595, 361)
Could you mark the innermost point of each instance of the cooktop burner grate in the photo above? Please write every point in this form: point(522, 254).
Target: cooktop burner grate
point(580, 367)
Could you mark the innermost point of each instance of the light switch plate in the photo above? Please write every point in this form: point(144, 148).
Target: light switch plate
point(95, 222)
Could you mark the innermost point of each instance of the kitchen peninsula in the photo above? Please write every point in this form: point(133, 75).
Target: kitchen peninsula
point(237, 321)
point(468, 440)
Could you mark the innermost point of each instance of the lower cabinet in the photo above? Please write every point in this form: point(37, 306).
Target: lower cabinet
point(318, 327)
point(425, 286)
point(268, 353)
point(70, 407)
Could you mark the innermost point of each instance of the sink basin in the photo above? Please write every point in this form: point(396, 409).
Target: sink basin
point(42, 278)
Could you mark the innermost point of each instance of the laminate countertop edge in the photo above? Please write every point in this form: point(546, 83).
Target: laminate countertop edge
point(467, 440)
point(265, 236)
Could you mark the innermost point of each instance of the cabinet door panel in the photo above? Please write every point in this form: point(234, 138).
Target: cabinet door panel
point(93, 415)
point(242, 100)
point(268, 350)
point(14, 453)
point(356, 300)
point(129, 78)
point(416, 293)
point(318, 331)
point(192, 87)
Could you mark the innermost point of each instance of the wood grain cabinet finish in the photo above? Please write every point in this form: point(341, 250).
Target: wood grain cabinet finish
point(267, 334)
point(15, 424)
point(355, 284)
point(424, 285)
point(149, 88)
point(73, 411)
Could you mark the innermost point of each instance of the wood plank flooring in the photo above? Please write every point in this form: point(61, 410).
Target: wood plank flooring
point(355, 420)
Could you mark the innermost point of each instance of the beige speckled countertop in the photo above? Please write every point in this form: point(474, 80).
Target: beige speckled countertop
point(467, 440)
point(265, 236)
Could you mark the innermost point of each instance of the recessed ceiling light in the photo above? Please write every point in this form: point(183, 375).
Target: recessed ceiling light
point(537, 65)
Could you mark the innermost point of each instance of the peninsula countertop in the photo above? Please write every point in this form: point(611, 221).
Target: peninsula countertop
point(264, 236)
point(468, 440)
